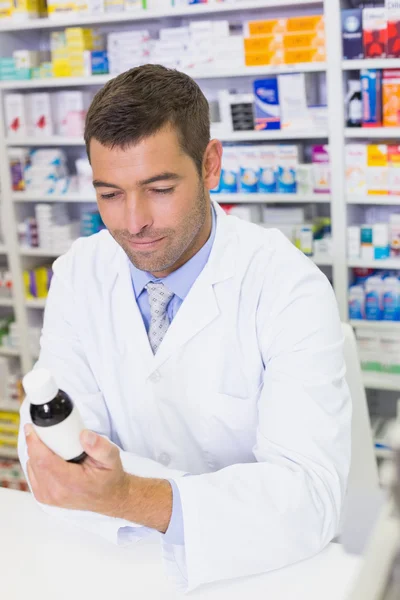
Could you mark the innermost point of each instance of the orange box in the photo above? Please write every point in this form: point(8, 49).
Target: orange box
point(391, 97)
point(304, 55)
point(293, 41)
point(258, 59)
point(266, 27)
point(305, 24)
point(263, 43)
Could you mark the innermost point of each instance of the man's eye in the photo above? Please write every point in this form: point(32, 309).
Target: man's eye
point(164, 190)
point(108, 196)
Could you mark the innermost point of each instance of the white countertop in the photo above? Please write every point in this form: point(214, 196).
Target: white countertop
point(45, 559)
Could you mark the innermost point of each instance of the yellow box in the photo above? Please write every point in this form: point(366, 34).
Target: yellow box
point(377, 169)
point(6, 9)
point(304, 55)
point(61, 8)
point(61, 68)
point(8, 443)
point(263, 43)
point(9, 418)
point(23, 7)
point(9, 430)
point(42, 281)
point(305, 24)
point(293, 41)
point(267, 27)
point(257, 59)
point(391, 98)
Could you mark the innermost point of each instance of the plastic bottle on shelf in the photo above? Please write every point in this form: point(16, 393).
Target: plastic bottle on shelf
point(54, 416)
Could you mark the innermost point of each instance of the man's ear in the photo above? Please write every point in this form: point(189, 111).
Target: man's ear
point(212, 164)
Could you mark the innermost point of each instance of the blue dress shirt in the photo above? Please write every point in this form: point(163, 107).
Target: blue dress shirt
point(179, 282)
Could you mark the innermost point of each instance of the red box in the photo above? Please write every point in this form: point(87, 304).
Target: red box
point(393, 50)
point(375, 35)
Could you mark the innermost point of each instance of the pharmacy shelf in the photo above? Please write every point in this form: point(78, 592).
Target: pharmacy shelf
point(77, 20)
point(271, 198)
point(228, 136)
point(40, 252)
point(73, 198)
point(374, 199)
point(277, 134)
point(379, 325)
point(38, 303)
point(5, 351)
point(53, 141)
point(208, 73)
point(8, 406)
point(388, 263)
point(370, 63)
point(9, 453)
point(6, 302)
point(381, 381)
point(384, 133)
point(322, 261)
point(221, 198)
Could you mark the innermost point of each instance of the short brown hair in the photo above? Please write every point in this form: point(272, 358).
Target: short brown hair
point(138, 103)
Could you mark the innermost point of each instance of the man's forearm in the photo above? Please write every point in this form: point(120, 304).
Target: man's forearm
point(147, 502)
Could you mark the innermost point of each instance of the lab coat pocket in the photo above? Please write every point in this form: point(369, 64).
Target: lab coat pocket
point(231, 430)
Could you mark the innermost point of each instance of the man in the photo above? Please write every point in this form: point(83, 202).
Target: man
point(206, 349)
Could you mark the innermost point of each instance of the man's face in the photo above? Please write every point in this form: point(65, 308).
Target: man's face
point(152, 200)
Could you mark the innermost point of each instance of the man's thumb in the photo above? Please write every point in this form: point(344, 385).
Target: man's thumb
point(98, 448)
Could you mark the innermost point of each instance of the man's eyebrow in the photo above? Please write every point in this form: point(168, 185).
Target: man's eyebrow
point(161, 177)
point(97, 183)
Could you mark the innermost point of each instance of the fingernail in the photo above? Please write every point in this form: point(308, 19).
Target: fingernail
point(28, 429)
point(89, 437)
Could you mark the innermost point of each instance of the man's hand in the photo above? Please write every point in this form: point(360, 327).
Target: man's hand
point(99, 484)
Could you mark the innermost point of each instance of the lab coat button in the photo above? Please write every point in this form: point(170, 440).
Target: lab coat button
point(164, 459)
point(155, 377)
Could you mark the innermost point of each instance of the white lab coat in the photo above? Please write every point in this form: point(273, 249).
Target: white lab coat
point(247, 393)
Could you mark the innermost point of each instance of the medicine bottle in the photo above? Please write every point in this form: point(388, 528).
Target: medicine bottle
point(54, 416)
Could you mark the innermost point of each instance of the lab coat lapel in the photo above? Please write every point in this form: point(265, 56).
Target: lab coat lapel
point(131, 339)
point(200, 307)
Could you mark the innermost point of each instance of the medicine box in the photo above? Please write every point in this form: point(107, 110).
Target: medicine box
point(377, 169)
point(352, 34)
point(272, 26)
point(266, 104)
point(268, 179)
point(321, 169)
point(288, 161)
point(393, 17)
point(263, 43)
point(304, 55)
point(306, 24)
point(375, 32)
point(229, 180)
point(257, 59)
point(391, 97)
point(292, 41)
point(293, 102)
point(356, 168)
point(394, 170)
point(16, 113)
point(371, 90)
point(249, 171)
point(40, 114)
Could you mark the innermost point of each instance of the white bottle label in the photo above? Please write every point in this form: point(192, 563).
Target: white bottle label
point(63, 438)
point(355, 111)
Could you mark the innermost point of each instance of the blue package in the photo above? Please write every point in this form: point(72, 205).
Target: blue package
point(266, 104)
point(371, 89)
point(229, 180)
point(374, 298)
point(249, 160)
point(391, 299)
point(356, 302)
point(268, 175)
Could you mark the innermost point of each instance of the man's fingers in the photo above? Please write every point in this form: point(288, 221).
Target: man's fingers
point(99, 448)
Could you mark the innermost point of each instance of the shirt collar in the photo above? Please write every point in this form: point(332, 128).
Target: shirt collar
point(180, 281)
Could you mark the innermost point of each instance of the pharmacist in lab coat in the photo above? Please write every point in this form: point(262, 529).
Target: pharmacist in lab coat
point(204, 353)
